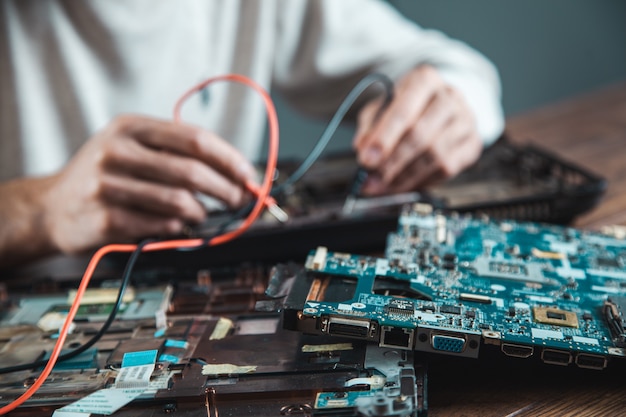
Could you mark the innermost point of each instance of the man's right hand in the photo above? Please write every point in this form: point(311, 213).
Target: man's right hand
point(137, 177)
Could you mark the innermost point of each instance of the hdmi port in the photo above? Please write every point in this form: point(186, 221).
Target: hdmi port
point(347, 327)
point(556, 357)
point(587, 361)
point(517, 351)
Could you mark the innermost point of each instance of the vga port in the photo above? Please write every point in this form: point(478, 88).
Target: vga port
point(448, 343)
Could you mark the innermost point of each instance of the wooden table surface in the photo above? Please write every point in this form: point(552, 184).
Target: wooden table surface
point(589, 130)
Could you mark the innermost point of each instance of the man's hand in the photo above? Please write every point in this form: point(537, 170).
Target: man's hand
point(137, 177)
point(427, 133)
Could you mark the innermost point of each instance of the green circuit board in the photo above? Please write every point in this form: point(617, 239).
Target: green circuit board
point(450, 284)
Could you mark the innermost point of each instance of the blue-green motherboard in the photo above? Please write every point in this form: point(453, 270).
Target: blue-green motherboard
point(450, 284)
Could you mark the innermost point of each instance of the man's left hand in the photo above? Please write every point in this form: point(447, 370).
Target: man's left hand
point(427, 133)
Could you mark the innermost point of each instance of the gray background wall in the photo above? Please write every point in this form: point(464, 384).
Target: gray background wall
point(545, 50)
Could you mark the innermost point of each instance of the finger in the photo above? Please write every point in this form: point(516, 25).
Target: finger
point(123, 223)
point(189, 141)
point(456, 146)
point(408, 180)
point(414, 176)
point(460, 144)
point(430, 178)
point(412, 97)
point(453, 144)
point(167, 168)
point(365, 120)
point(158, 199)
point(468, 153)
point(448, 158)
point(374, 185)
point(439, 112)
point(466, 150)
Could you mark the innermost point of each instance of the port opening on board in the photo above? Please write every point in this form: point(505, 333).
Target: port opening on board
point(556, 357)
point(587, 361)
point(517, 351)
point(447, 343)
point(396, 337)
point(340, 326)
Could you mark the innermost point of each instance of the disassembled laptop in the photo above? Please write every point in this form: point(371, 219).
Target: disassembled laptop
point(207, 338)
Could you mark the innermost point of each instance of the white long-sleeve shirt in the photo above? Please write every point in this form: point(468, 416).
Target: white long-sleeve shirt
point(68, 67)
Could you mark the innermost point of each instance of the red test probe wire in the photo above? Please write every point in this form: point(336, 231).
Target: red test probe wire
point(262, 194)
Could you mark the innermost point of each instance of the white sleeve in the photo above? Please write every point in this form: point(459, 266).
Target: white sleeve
point(324, 47)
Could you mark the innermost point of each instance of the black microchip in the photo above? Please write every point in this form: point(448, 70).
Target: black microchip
point(401, 304)
point(484, 326)
point(449, 257)
point(587, 316)
point(470, 314)
point(512, 311)
point(400, 307)
point(450, 309)
point(608, 262)
point(448, 266)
